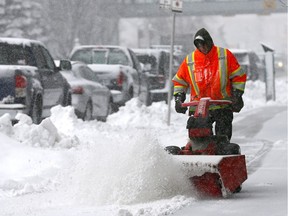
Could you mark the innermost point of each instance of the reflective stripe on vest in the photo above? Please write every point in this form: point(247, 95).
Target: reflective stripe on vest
point(190, 59)
point(238, 85)
point(179, 88)
point(222, 57)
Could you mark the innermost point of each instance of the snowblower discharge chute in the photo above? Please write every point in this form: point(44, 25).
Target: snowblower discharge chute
point(213, 164)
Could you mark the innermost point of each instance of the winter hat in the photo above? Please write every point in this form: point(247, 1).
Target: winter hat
point(203, 36)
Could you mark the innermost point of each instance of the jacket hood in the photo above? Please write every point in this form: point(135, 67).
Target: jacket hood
point(204, 35)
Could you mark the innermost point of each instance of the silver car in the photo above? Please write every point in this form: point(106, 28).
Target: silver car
point(90, 99)
point(117, 67)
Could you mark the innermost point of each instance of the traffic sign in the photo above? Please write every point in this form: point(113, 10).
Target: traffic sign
point(165, 4)
point(174, 5)
point(177, 5)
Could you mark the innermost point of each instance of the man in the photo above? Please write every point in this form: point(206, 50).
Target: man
point(214, 72)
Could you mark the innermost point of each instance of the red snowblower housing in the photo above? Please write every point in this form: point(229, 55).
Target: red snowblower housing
point(213, 164)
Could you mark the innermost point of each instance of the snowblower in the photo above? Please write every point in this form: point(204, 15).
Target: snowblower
point(215, 166)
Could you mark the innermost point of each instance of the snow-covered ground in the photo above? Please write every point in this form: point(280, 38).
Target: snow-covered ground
point(68, 167)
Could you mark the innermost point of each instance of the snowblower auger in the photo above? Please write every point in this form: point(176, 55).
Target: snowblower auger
point(213, 164)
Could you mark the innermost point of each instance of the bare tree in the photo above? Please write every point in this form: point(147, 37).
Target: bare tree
point(21, 19)
point(84, 22)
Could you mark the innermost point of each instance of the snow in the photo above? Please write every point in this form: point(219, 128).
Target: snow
point(66, 166)
point(19, 41)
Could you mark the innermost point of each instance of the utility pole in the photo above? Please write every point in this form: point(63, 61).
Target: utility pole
point(176, 7)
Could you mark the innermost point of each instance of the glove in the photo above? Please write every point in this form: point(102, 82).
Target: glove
point(179, 99)
point(237, 101)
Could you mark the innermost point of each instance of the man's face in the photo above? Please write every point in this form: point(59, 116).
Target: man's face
point(202, 46)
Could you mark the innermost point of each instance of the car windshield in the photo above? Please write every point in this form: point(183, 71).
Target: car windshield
point(117, 56)
point(14, 54)
point(101, 56)
point(149, 62)
point(83, 56)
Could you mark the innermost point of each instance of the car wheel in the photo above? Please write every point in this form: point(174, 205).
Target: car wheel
point(148, 100)
point(114, 108)
point(110, 110)
point(145, 96)
point(87, 116)
point(130, 93)
point(36, 110)
point(67, 101)
point(110, 107)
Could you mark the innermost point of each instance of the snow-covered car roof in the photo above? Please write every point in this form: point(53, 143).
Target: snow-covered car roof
point(19, 41)
point(96, 47)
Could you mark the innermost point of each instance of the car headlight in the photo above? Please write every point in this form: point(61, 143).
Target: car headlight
point(280, 64)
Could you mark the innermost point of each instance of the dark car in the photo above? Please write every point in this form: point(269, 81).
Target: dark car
point(30, 83)
point(155, 72)
point(250, 62)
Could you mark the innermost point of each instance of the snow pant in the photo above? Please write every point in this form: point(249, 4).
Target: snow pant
point(223, 121)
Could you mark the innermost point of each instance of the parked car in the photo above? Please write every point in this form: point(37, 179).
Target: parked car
point(250, 62)
point(30, 82)
point(116, 67)
point(91, 99)
point(155, 66)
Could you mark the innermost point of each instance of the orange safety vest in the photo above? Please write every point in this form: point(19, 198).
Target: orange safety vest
point(213, 75)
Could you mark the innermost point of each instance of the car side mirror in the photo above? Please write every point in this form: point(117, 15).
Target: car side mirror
point(145, 67)
point(65, 65)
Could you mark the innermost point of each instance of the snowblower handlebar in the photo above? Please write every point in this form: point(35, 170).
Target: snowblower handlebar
point(202, 106)
point(214, 102)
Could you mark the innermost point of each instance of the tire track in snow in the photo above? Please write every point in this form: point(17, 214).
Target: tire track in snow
point(246, 129)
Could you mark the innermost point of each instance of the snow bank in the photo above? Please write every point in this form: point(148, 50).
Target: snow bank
point(42, 135)
point(26, 169)
point(133, 114)
point(29, 159)
point(255, 94)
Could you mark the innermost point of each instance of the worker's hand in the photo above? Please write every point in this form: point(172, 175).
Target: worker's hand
point(237, 101)
point(237, 104)
point(179, 108)
point(179, 99)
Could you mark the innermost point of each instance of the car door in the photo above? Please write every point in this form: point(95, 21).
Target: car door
point(51, 80)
